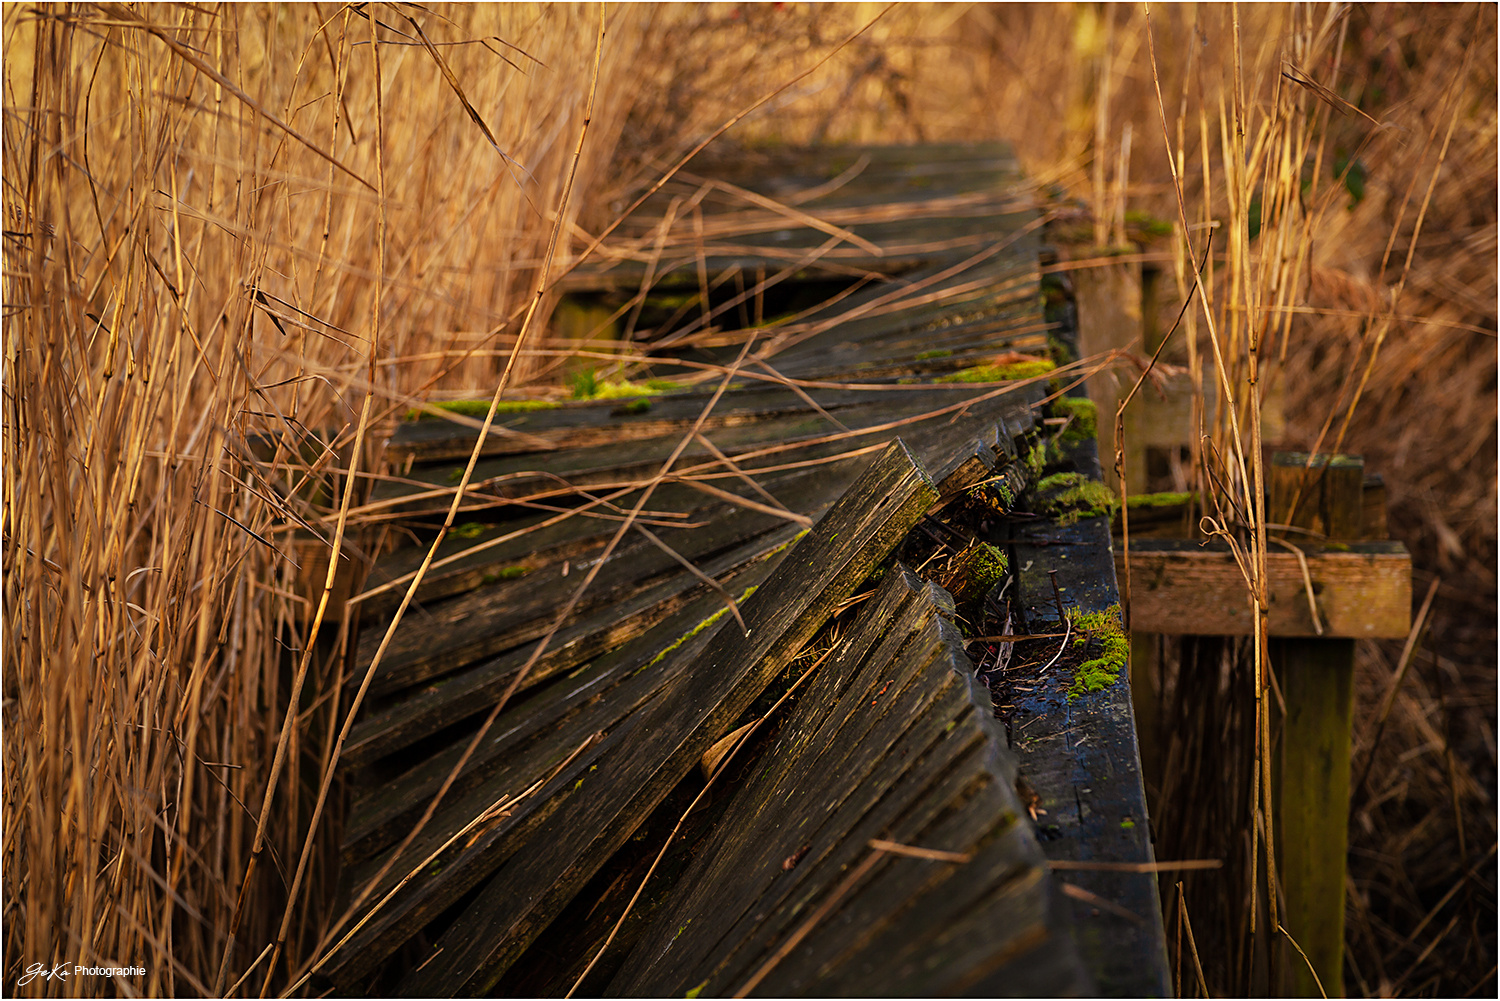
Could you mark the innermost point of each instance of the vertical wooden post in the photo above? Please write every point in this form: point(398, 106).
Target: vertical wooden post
point(1317, 682)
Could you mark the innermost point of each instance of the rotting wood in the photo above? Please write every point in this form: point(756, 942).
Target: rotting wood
point(431, 708)
point(970, 192)
point(505, 614)
point(1077, 745)
point(505, 480)
point(1363, 590)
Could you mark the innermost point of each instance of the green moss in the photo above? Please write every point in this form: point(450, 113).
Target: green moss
point(940, 353)
point(1059, 350)
point(636, 406)
point(1006, 495)
point(978, 569)
point(1001, 373)
point(1109, 631)
point(1070, 496)
point(504, 573)
point(585, 384)
point(469, 530)
point(1036, 458)
point(985, 566)
point(698, 628)
point(588, 386)
point(479, 408)
point(1127, 824)
point(1147, 223)
point(1168, 499)
point(1085, 417)
point(455, 474)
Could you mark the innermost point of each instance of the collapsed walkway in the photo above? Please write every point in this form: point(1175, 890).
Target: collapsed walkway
point(847, 413)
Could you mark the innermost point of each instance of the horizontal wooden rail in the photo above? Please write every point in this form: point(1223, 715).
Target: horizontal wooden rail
point(1362, 590)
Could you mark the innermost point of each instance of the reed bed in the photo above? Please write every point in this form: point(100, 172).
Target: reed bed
point(232, 260)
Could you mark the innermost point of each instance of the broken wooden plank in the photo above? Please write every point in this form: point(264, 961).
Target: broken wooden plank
point(501, 481)
point(506, 613)
point(1362, 589)
point(672, 733)
point(588, 813)
point(472, 691)
point(593, 698)
point(900, 754)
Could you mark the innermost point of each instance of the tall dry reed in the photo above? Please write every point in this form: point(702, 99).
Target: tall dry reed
point(207, 261)
point(219, 239)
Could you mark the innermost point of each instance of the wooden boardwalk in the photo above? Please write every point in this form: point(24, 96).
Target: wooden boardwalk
point(869, 836)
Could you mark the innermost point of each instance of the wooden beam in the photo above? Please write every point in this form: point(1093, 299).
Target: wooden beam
point(1362, 590)
point(1324, 493)
point(1312, 808)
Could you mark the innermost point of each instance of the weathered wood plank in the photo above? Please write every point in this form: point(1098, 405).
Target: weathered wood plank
point(1363, 590)
point(672, 733)
point(524, 740)
point(1326, 497)
point(652, 749)
point(474, 690)
point(720, 877)
point(585, 425)
point(507, 613)
point(818, 573)
point(1080, 756)
point(502, 480)
point(876, 192)
point(883, 761)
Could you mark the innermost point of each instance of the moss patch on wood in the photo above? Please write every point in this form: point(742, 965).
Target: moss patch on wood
point(970, 576)
point(1108, 630)
point(504, 573)
point(1070, 496)
point(1084, 423)
point(1001, 373)
point(479, 408)
point(1166, 499)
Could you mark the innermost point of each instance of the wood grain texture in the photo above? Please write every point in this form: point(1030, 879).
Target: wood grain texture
point(654, 748)
point(887, 743)
point(1362, 591)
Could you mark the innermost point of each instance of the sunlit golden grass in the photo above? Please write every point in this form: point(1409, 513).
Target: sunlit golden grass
point(207, 261)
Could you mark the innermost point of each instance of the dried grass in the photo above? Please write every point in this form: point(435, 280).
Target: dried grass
point(202, 249)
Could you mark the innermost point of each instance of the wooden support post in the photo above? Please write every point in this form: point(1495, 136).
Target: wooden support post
point(1317, 682)
point(1325, 495)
